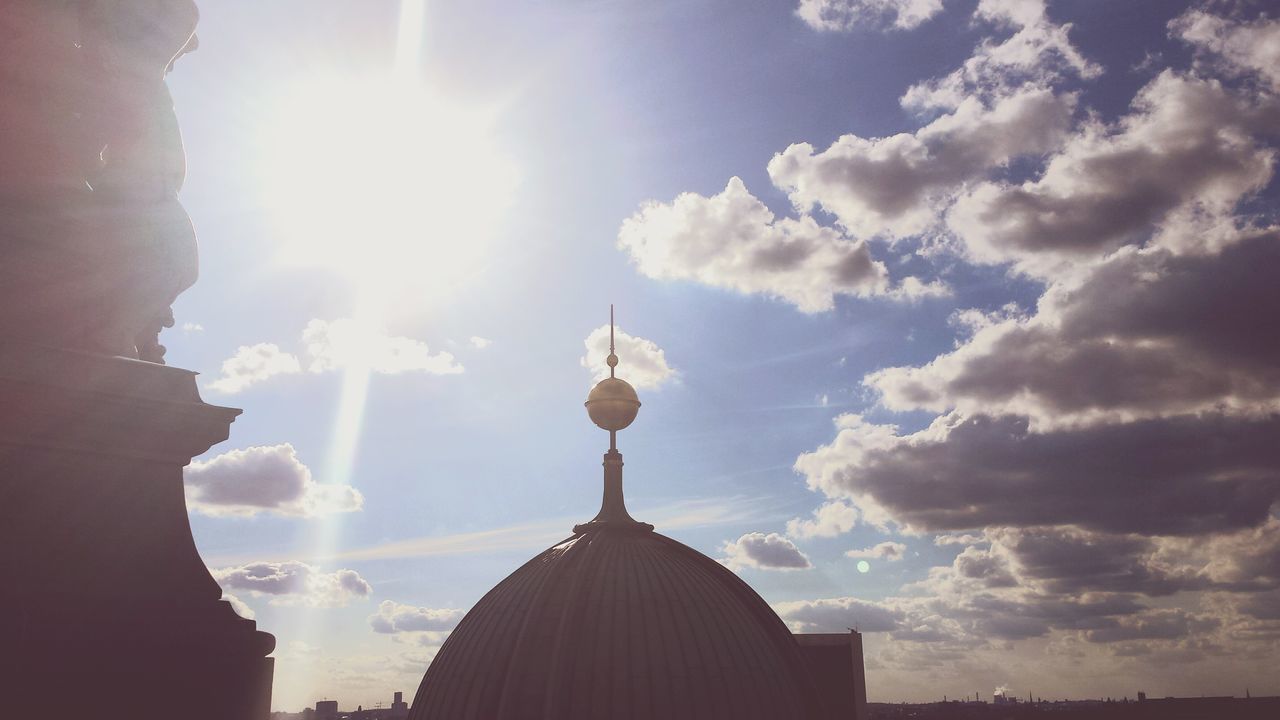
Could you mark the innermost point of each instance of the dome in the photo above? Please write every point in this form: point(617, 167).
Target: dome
point(618, 622)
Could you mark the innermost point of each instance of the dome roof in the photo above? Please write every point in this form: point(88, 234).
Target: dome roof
point(618, 622)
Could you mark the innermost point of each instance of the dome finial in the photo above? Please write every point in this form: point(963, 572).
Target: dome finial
point(613, 403)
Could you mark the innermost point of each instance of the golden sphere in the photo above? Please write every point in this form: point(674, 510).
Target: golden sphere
point(613, 404)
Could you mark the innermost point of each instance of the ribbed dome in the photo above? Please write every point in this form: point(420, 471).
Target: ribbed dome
point(613, 623)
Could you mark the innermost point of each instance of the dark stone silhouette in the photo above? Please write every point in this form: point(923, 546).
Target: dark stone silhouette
point(94, 245)
point(106, 609)
point(104, 590)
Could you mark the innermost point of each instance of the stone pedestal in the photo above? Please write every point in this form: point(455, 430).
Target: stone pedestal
point(106, 609)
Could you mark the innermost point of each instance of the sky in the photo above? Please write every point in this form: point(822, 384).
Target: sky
point(953, 321)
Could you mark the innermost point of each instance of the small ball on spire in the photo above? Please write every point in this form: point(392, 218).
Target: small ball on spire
point(612, 360)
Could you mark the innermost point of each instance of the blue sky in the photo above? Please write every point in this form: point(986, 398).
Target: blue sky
point(413, 218)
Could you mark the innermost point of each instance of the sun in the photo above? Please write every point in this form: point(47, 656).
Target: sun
point(383, 182)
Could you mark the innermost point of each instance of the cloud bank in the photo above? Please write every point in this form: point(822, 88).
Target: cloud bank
point(1101, 462)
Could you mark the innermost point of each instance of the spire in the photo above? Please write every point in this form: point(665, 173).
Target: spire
point(612, 360)
point(612, 405)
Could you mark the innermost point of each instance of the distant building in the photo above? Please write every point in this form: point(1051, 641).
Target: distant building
point(1001, 698)
point(326, 710)
point(399, 710)
point(835, 662)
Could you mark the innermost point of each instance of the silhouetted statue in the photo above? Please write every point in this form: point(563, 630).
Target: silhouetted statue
point(104, 591)
point(94, 245)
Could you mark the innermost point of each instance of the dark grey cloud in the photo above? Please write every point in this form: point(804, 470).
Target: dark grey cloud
point(1183, 475)
point(992, 571)
point(1094, 610)
point(1069, 561)
point(1143, 333)
point(771, 552)
point(982, 595)
point(840, 614)
point(1170, 624)
point(1207, 304)
point(1263, 606)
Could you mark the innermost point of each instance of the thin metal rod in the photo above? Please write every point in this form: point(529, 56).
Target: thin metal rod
point(611, 352)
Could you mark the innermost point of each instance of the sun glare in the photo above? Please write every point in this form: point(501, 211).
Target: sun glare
point(384, 183)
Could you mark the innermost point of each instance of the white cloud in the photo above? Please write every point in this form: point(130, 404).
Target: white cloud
point(957, 539)
point(331, 345)
point(897, 186)
point(733, 241)
point(1187, 149)
point(640, 362)
point(829, 520)
point(770, 552)
point(1038, 54)
point(480, 343)
point(838, 15)
point(263, 479)
point(885, 551)
point(192, 327)
point(346, 343)
point(295, 583)
point(239, 606)
point(393, 617)
point(252, 364)
point(1247, 46)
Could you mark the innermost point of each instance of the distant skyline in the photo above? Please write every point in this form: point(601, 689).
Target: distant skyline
point(949, 318)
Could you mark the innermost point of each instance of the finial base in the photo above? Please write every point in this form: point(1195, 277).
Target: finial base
point(613, 513)
point(624, 525)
